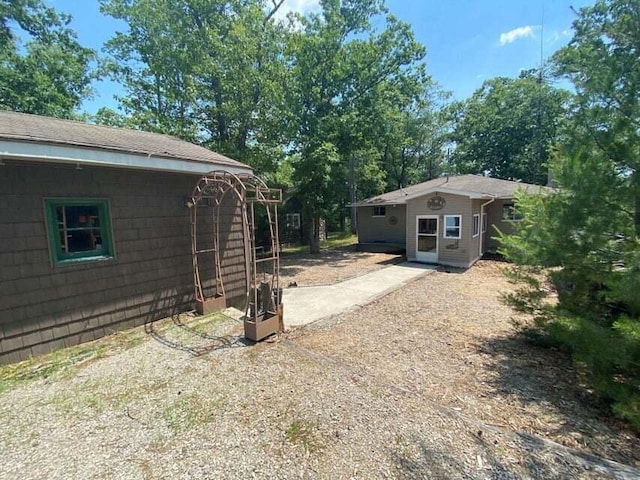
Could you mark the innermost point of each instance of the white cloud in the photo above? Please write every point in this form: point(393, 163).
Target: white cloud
point(299, 6)
point(556, 36)
point(513, 35)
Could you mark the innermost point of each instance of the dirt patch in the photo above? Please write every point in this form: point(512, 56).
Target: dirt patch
point(427, 382)
point(331, 266)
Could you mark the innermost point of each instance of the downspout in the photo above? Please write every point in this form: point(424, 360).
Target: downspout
point(482, 234)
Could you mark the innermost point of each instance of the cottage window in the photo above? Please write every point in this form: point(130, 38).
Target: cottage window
point(476, 224)
point(484, 222)
point(510, 213)
point(292, 221)
point(453, 226)
point(379, 211)
point(79, 229)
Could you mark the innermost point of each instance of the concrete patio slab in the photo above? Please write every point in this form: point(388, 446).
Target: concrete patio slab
point(304, 305)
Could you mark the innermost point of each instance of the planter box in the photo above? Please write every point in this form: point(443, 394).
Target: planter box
point(211, 305)
point(256, 331)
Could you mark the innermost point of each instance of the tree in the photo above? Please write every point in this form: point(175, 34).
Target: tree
point(603, 63)
point(43, 67)
point(209, 72)
point(584, 238)
point(507, 127)
point(315, 181)
point(414, 141)
point(340, 64)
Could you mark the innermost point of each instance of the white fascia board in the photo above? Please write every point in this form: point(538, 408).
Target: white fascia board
point(39, 152)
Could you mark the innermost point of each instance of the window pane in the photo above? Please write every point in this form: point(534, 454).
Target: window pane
point(452, 226)
point(78, 229)
point(82, 216)
point(453, 221)
point(427, 243)
point(428, 226)
point(84, 240)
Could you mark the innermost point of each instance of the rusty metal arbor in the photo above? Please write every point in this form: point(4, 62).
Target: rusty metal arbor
point(263, 310)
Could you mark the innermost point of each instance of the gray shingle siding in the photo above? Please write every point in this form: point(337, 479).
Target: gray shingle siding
point(373, 229)
point(43, 307)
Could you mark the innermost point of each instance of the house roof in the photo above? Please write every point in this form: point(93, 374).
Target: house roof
point(474, 186)
point(63, 135)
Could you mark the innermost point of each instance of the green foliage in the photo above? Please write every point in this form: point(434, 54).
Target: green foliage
point(209, 72)
point(344, 72)
point(586, 235)
point(280, 94)
point(608, 358)
point(43, 68)
point(313, 174)
point(577, 275)
point(507, 127)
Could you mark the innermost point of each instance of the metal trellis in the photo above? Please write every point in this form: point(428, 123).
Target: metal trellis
point(263, 309)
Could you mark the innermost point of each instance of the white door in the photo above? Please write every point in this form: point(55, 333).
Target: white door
point(427, 238)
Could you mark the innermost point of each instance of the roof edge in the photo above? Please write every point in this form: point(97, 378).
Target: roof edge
point(437, 189)
point(49, 153)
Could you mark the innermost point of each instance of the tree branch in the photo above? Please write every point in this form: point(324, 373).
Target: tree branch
point(276, 7)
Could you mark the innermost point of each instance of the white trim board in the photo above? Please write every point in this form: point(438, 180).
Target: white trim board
point(38, 152)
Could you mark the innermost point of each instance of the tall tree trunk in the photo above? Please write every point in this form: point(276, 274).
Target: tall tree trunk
point(314, 235)
point(635, 185)
point(637, 216)
point(352, 194)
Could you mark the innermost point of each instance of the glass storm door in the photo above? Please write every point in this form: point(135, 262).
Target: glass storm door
point(427, 238)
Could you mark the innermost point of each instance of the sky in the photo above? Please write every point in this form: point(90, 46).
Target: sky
point(467, 41)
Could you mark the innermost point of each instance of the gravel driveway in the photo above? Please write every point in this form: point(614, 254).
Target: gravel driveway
point(427, 382)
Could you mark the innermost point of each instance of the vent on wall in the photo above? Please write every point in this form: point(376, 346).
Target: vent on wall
point(393, 220)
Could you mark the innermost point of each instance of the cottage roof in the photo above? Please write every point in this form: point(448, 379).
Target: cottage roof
point(474, 186)
point(55, 132)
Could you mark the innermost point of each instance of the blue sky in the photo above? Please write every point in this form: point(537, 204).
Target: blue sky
point(467, 41)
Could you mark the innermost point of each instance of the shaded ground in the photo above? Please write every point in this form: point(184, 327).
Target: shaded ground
point(427, 382)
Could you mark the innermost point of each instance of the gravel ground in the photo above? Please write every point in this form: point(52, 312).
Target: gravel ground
point(427, 382)
point(331, 266)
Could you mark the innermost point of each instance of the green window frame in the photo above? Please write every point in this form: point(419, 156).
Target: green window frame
point(79, 229)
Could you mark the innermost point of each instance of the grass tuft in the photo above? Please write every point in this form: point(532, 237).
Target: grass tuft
point(68, 361)
point(334, 240)
point(302, 432)
point(191, 411)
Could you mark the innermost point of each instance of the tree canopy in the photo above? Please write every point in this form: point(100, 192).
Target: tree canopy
point(507, 127)
point(585, 237)
point(344, 70)
point(43, 67)
point(209, 72)
point(300, 92)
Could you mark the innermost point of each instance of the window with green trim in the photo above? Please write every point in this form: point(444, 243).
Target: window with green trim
point(79, 229)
